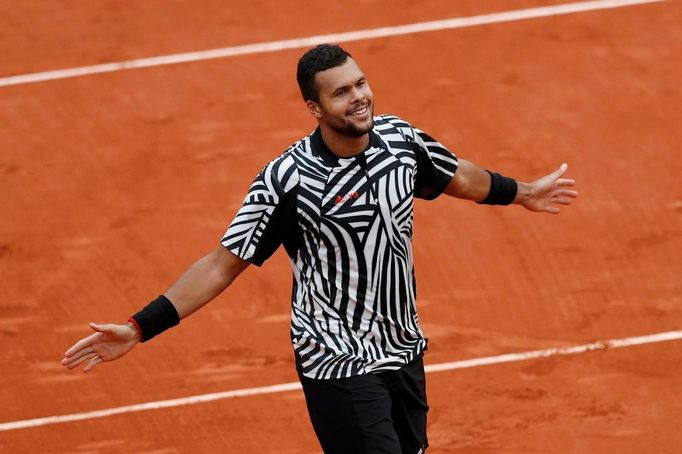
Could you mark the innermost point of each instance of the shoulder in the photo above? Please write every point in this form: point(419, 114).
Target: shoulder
point(388, 120)
point(281, 174)
point(392, 125)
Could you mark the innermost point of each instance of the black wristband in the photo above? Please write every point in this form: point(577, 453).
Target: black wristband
point(502, 190)
point(155, 318)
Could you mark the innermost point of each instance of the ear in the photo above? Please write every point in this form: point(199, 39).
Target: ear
point(314, 109)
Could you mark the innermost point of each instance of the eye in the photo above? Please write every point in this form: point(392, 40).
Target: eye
point(341, 92)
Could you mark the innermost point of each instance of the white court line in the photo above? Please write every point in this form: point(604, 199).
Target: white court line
point(293, 386)
point(274, 46)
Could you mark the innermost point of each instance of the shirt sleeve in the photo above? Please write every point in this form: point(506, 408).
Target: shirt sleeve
point(436, 165)
point(267, 217)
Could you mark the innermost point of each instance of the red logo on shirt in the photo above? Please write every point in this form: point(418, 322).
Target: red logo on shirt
point(343, 198)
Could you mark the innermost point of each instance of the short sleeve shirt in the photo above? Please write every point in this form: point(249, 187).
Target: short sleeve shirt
point(346, 224)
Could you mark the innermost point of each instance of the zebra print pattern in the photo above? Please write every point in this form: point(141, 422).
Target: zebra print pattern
point(346, 224)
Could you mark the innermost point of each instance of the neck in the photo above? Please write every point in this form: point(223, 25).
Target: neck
point(344, 146)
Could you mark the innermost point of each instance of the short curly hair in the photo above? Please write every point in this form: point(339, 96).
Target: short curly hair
point(319, 58)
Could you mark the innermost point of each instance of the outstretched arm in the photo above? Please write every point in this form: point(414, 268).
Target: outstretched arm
point(205, 280)
point(472, 182)
point(198, 285)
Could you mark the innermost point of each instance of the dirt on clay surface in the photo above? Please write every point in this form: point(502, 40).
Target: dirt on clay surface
point(112, 184)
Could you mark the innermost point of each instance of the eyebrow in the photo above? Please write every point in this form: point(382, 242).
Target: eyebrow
point(337, 89)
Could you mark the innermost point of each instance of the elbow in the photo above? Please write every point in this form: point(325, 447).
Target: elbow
point(227, 266)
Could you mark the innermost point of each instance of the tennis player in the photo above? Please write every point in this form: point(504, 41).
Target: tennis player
point(340, 201)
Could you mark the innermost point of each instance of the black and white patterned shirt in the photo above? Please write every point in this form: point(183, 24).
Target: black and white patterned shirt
point(346, 224)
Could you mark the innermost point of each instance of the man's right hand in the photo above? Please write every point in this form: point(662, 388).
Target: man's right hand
point(109, 342)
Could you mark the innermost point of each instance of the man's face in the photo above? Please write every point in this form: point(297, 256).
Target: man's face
point(346, 101)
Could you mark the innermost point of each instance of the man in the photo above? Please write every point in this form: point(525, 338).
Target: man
point(340, 201)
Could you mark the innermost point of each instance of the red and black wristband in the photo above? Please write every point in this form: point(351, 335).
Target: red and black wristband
point(155, 318)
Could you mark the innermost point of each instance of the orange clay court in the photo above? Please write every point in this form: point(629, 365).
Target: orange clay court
point(113, 183)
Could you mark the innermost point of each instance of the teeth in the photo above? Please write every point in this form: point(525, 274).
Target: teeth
point(360, 111)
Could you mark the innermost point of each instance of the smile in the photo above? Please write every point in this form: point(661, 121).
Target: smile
point(360, 111)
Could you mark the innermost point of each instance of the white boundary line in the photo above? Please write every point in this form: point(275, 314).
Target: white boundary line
point(293, 386)
point(274, 46)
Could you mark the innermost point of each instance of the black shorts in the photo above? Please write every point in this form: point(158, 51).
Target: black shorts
point(374, 413)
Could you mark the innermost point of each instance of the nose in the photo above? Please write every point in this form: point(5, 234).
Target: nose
point(357, 95)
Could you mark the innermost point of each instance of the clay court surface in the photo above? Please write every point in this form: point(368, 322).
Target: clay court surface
point(113, 183)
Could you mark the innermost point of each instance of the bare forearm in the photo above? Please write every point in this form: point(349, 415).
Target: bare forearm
point(544, 194)
point(470, 182)
point(204, 280)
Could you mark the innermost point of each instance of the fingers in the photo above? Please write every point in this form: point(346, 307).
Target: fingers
point(70, 363)
point(83, 350)
point(78, 355)
point(562, 200)
point(82, 344)
point(93, 362)
point(551, 190)
point(566, 193)
point(102, 328)
point(87, 341)
point(96, 327)
point(562, 197)
point(560, 171)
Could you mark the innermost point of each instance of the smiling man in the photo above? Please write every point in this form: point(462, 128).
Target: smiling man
point(340, 201)
point(339, 98)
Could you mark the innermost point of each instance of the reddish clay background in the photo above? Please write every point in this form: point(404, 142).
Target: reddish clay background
point(112, 184)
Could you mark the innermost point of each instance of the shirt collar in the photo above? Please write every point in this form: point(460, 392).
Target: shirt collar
point(328, 157)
